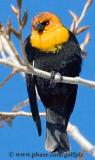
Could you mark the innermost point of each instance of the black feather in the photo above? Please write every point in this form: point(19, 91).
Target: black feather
point(30, 82)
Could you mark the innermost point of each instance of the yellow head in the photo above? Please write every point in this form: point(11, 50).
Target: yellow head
point(48, 33)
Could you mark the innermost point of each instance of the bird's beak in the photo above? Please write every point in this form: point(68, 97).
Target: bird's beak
point(39, 27)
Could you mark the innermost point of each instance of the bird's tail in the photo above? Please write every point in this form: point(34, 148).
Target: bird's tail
point(56, 136)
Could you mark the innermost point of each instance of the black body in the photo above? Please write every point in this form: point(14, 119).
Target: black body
point(59, 99)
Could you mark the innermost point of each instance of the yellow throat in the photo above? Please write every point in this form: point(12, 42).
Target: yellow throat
point(50, 40)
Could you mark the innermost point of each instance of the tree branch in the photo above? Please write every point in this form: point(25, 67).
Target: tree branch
point(8, 78)
point(71, 129)
point(47, 75)
point(80, 139)
point(86, 41)
point(87, 5)
point(18, 107)
point(77, 20)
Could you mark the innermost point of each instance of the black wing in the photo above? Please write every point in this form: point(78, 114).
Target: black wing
point(30, 82)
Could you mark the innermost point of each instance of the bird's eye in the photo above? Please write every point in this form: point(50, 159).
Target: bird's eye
point(45, 23)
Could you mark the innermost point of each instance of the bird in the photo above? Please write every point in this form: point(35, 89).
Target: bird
point(52, 47)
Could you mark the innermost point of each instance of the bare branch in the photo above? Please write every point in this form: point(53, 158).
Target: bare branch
point(87, 5)
point(24, 19)
point(8, 63)
point(47, 75)
point(86, 41)
point(75, 24)
point(75, 19)
point(19, 2)
point(20, 105)
point(21, 24)
point(71, 129)
point(81, 29)
point(16, 33)
point(8, 78)
point(8, 47)
point(2, 53)
point(20, 113)
point(84, 44)
point(14, 9)
point(80, 139)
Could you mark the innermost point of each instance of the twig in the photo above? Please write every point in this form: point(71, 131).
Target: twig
point(9, 49)
point(21, 24)
point(81, 29)
point(15, 52)
point(2, 53)
point(84, 44)
point(75, 24)
point(86, 41)
point(72, 130)
point(20, 105)
point(87, 5)
point(8, 63)
point(77, 20)
point(80, 139)
point(8, 78)
point(21, 35)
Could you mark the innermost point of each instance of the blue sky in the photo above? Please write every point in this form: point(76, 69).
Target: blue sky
point(22, 137)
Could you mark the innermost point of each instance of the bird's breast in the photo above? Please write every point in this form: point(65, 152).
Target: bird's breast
point(50, 62)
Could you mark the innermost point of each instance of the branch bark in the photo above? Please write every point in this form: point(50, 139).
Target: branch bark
point(47, 75)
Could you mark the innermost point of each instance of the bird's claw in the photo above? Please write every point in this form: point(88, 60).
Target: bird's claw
point(52, 83)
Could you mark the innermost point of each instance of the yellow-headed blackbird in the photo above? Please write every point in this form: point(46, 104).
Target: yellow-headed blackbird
point(52, 47)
